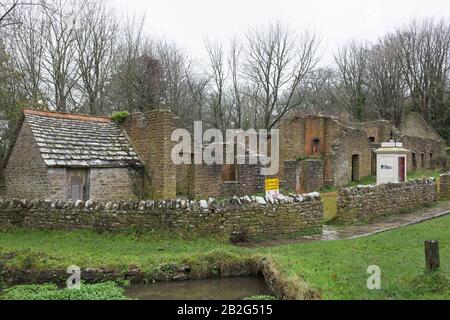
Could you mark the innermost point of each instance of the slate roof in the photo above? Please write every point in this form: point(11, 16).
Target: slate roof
point(69, 140)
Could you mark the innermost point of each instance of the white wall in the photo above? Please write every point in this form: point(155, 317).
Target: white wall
point(391, 161)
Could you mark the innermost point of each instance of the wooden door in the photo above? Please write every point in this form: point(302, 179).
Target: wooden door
point(78, 184)
point(401, 169)
point(76, 188)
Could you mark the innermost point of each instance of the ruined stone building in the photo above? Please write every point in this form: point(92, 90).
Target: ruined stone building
point(68, 156)
point(319, 150)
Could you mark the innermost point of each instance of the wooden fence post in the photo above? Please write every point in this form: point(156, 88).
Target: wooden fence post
point(432, 255)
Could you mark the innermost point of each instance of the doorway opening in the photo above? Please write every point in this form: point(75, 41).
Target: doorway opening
point(401, 169)
point(414, 161)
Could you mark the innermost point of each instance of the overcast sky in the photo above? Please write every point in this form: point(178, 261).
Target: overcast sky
point(188, 22)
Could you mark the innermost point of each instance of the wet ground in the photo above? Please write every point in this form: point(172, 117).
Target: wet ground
point(209, 289)
point(382, 224)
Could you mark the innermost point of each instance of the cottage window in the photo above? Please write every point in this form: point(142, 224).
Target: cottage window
point(372, 139)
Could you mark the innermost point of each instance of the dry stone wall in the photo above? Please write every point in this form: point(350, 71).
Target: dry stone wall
point(239, 218)
point(364, 203)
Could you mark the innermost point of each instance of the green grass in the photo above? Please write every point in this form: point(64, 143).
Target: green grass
point(100, 291)
point(419, 174)
point(329, 205)
point(54, 249)
point(336, 268)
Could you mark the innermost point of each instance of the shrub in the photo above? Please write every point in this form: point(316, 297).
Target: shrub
point(120, 116)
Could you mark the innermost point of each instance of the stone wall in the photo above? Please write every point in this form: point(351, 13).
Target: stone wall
point(110, 183)
point(26, 172)
point(304, 175)
point(204, 181)
point(311, 175)
point(444, 185)
point(351, 142)
point(150, 134)
point(292, 141)
point(57, 184)
point(425, 151)
point(240, 218)
point(364, 203)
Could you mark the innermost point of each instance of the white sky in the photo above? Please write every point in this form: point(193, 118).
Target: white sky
point(188, 22)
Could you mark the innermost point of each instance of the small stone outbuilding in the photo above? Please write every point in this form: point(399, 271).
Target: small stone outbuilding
point(67, 156)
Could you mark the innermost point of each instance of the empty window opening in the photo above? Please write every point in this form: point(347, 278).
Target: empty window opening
point(372, 139)
point(316, 146)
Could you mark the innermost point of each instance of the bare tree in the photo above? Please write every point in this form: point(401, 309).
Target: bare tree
point(27, 41)
point(234, 67)
point(60, 58)
point(95, 41)
point(196, 96)
point(385, 78)
point(174, 87)
point(351, 61)
point(123, 86)
point(424, 49)
point(318, 93)
point(218, 73)
point(277, 60)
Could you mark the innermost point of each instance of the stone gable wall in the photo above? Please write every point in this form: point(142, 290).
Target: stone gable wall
point(245, 218)
point(26, 172)
point(364, 203)
point(150, 134)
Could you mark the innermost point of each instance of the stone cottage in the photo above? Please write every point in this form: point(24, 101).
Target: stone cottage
point(67, 156)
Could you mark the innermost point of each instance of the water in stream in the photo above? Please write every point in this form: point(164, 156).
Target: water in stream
point(210, 289)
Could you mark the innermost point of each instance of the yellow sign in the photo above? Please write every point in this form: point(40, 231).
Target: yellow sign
point(272, 184)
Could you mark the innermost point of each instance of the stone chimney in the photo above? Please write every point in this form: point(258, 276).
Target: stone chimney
point(150, 135)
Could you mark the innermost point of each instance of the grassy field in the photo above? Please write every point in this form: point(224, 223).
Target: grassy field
point(337, 269)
